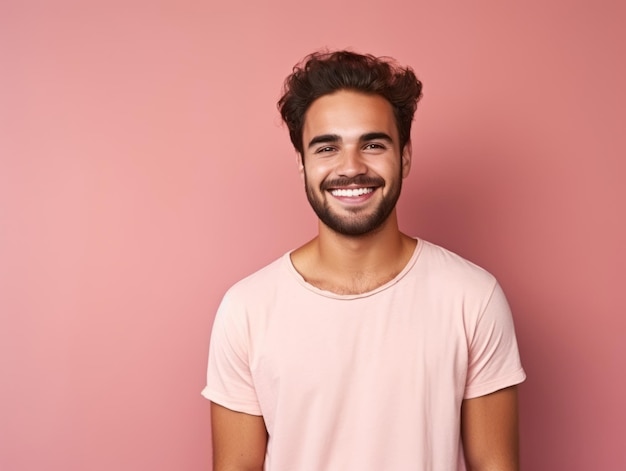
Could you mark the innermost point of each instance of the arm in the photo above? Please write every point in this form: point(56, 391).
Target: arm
point(489, 430)
point(239, 440)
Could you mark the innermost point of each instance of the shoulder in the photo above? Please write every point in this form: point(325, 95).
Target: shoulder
point(248, 294)
point(441, 265)
point(259, 286)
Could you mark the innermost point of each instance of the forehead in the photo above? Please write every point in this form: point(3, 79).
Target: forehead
point(349, 114)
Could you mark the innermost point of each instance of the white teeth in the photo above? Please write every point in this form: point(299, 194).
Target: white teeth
point(352, 192)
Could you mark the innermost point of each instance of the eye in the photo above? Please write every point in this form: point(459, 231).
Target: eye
point(374, 146)
point(321, 150)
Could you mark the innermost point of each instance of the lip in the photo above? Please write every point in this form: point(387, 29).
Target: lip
point(352, 183)
point(347, 197)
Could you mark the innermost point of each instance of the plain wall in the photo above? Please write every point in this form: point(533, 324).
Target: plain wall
point(144, 169)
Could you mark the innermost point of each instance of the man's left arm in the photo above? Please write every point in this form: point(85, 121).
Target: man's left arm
point(489, 429)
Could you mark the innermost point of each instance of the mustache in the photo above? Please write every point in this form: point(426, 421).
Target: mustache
point(359, 180)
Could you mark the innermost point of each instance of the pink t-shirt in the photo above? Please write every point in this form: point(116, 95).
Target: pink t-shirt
point(373, 381)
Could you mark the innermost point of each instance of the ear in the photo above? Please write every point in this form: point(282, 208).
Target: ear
point(300, 164)
point(407, 154)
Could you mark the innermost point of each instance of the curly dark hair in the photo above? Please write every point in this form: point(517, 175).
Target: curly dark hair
point(322, 73)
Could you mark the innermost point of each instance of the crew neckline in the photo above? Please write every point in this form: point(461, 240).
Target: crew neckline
point(329, 294)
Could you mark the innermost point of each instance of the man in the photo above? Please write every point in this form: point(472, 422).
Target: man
point(364, 349)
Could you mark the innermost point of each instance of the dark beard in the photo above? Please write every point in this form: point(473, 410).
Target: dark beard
point(354, 225)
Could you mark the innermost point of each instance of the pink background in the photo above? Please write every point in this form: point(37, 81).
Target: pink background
point(144, 169)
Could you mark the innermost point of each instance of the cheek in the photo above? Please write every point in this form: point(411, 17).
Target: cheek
point(387, 170)
point(316, 172)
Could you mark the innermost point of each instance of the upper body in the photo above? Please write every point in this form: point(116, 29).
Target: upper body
point(362, 349)
point(365, 381)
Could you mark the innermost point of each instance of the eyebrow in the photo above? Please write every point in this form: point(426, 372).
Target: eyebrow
point(324, 139)
point(333, 138)
point(373, 136)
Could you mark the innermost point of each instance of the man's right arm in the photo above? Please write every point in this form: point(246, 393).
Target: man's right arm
point(239, 440)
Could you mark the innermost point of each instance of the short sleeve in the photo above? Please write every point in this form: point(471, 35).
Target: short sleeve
point(229, 379)
point(494, 361)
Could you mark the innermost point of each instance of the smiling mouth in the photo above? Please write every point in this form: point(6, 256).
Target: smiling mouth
point(351, 192)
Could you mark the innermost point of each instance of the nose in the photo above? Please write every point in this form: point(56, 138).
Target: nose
point(351, 163)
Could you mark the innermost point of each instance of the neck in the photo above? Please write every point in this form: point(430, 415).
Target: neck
point(360, 254)
point(354, 264)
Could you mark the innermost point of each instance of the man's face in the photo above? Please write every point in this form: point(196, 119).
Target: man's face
point(352, 163)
